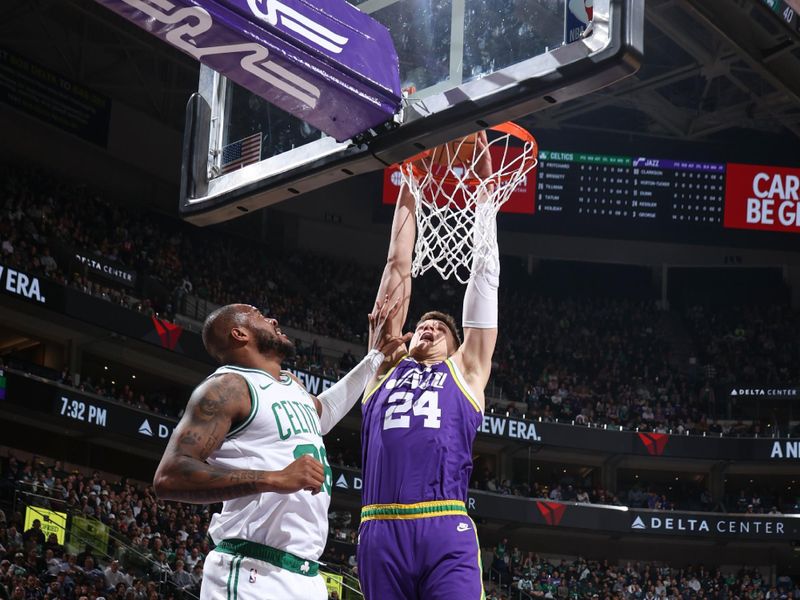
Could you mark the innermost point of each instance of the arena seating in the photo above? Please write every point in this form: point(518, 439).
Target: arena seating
point(570, 356)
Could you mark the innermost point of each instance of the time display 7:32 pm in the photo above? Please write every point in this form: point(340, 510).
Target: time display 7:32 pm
point(83, 411)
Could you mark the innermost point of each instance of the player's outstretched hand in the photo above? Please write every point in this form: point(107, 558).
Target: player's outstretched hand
point(380, 318)
point(305, 473)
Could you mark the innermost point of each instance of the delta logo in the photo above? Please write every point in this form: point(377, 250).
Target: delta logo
point(168, 333)
point(552, 512)
point(654, 443)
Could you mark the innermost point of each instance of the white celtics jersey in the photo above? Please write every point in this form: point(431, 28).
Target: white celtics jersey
point(282, 426)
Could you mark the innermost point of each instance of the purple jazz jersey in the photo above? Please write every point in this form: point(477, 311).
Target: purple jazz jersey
point(417, 435)
point(416, 541)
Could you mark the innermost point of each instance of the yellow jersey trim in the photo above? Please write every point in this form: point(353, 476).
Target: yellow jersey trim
point(382, 379)
point(455, 373)
point(419, 510)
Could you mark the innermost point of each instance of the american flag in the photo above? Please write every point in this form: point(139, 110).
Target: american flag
point(242, 153)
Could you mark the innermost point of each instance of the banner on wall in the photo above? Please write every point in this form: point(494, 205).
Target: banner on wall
point(85, 532)
point(100, 416)
point(333, 582)
point(50, 97)
point(103, 267)
point(52, 521)
point(762, 197)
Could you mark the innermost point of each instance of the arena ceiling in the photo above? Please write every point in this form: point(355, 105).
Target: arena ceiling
point(712, 70)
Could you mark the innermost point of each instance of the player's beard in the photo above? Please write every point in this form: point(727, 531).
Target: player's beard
point(268, 343)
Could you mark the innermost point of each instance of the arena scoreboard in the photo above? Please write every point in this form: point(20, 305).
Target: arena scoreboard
point(787, 11)
point(622, 188)
point(666, 194)
point(644, 197)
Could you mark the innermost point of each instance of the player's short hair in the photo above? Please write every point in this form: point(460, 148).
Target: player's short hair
point(216, 330)
point(448, 321)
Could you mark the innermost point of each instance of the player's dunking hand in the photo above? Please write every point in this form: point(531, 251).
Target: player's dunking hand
point(305, 473)
point(483, 158)
point(379, 337)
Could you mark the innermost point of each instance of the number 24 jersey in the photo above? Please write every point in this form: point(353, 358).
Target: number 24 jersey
point(419, 425)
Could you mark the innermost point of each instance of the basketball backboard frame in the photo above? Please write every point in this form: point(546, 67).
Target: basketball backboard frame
point(432, 116)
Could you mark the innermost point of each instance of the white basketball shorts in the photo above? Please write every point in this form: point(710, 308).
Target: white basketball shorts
point(232, 577)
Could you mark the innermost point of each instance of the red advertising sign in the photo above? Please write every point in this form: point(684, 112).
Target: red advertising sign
point(522, 200)
point(762, 197)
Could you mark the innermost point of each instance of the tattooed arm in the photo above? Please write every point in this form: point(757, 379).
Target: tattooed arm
point(184, 475)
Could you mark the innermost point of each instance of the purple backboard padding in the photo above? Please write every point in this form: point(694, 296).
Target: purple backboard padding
point(368, 54)
point(316, 64)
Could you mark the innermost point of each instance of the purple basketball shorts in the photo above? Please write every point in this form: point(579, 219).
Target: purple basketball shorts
point(434, 558)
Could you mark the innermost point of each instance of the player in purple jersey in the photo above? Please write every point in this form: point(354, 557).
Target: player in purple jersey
point(421, 414)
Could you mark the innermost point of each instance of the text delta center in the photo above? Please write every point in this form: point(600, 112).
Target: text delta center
point(776, 197)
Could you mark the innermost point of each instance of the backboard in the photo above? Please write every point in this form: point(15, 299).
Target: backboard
point(466, 65)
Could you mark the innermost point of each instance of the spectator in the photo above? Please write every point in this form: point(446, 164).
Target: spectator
point(181, 579)
point(114, 576)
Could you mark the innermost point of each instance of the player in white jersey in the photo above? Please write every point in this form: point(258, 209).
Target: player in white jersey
point(251, 437)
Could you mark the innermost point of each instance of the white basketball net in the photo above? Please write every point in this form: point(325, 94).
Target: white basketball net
point(448, 194)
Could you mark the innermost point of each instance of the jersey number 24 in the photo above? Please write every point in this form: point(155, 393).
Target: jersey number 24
point(403, 405)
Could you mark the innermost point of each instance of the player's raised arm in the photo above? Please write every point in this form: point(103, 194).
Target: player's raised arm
point(396, 280)
point(335, 402)
point(479, 317)
point(184, 475)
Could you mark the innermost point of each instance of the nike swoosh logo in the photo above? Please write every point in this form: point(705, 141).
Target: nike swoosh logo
point(263, 387)
point(462, 527)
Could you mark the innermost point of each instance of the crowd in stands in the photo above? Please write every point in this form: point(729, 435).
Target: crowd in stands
point(747, 345)
point(154, 549)
point(762, 499)
point(597, 358)
point(514, 569)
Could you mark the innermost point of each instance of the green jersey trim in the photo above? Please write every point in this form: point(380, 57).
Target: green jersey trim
point(284, 380)
point(251, 416)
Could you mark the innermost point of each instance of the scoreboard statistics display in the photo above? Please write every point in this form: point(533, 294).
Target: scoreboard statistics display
point(639, 197)
point(626, 189)
point(787, 10)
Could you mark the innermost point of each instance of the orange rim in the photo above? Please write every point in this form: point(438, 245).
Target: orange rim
point(508, 128)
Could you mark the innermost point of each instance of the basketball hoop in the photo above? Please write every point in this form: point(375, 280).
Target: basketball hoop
point(448, 194)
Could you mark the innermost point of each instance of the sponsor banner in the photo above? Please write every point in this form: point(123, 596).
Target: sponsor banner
point(315, 61)
point(134, 325)
point(89, 412)
point(765, 392)
point(510, 428)
point(314, 383)
point(615, 519)
point(54, 99)
point(608, 441)
point(347, 480)
point(85, 532)
point(17, 283)
point(52, 521)
point(85, 412)
point(333, 583)
point(762, 197)
point(621, 520)
point(784, 449)
point(108, 269)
